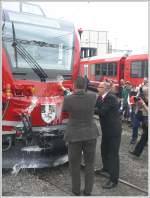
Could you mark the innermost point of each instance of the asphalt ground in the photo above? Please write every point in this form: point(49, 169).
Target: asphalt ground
point(57, 182)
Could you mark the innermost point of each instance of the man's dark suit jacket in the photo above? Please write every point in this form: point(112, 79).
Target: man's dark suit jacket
point(81, 126)
point(110, 121)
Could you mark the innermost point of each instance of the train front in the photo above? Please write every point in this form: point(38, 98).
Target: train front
point(38, 53)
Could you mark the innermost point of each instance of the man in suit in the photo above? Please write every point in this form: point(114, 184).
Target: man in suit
point(107, 108)
point(81, 135)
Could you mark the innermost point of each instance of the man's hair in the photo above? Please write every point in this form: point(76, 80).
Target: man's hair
point(106, 85)
point(145, 90)
point(80, 83)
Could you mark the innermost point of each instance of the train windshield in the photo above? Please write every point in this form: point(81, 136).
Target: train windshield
point(51, 48)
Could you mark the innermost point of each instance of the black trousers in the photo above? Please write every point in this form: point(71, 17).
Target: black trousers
point(75, 155)
point(143, 140)
point(110, 156)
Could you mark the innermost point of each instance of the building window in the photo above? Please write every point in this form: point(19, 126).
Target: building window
point(93, 52)
point(88, 52)
point(139, 69)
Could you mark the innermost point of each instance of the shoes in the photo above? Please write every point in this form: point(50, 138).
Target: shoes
point(133, 141)
point(110, 184)
point(76, 193)
point(86, 194)
point(130, 125)
point(102, 172)
point(133, 153)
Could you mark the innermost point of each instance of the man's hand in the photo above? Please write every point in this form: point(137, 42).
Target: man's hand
point(61, 86)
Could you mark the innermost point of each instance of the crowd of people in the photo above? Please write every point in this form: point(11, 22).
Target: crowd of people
point(130, 103)
point(132, 100)
point(133, 108)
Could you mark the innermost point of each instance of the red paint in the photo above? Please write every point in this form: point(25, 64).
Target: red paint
point(23, 91)
point(123, 67)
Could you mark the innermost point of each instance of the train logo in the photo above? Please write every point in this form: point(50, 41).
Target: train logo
point(48, 112)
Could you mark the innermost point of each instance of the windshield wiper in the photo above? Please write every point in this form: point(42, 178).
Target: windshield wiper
point(15, 49)
point(3, 19)
point(34, 65)
point(44, 44)
point(28, 58)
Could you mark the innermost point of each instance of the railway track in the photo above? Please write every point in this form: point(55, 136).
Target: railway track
point(56, 178)
point(57, 182)
point(127, 183)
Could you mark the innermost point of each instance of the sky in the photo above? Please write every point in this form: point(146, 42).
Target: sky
point(126, 22)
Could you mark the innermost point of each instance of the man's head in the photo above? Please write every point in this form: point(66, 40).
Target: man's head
point(80, 83)
point(103, 88)
point(145, 92)
point(145, 81)
point(122, 82)
point(128, 84)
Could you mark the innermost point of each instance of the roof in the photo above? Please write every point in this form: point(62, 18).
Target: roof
point(137, 56)
point(115, 56)
point(9, 15)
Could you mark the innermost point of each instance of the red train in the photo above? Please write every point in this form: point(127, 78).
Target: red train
point(35, 51)
point(114, 67)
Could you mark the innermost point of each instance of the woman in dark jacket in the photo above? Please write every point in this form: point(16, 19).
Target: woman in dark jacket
point(144, 118)
point(81, 135)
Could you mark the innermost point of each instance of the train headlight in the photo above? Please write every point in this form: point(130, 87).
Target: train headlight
point(48, 112)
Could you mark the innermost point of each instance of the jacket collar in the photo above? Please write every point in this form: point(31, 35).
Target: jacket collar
point(104, 95)
point(81, 92)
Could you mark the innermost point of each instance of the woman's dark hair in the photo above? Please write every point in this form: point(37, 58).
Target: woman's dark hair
point(80, 83)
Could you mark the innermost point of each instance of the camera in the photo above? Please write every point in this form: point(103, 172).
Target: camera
point(137, 98)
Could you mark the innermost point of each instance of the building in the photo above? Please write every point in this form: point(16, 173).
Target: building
point(94, 43)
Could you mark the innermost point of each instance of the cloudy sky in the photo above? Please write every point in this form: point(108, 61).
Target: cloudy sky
point(126, 22)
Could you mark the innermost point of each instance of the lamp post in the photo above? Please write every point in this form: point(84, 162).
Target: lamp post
point(80, 30)
point(20, 5)
point(80, 34)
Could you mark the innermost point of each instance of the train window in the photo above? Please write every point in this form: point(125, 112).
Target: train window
point(112, 69)
point(145, 68)
point(51, 48)
point(104, 69)
point(97, 69)
point(92, 68)
point(86, 70)
point(139, 69)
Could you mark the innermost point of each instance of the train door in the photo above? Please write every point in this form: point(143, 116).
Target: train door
point(86, 70)
point(97, 72)
point(121, 71)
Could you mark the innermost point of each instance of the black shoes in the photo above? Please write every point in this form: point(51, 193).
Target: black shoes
point(110, 184)
point(86, 194)
point(133, 141)
point(134, 153)
point(76, 193)
point(102, 172)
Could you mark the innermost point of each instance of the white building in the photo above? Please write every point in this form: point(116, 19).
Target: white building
point(94, 43)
